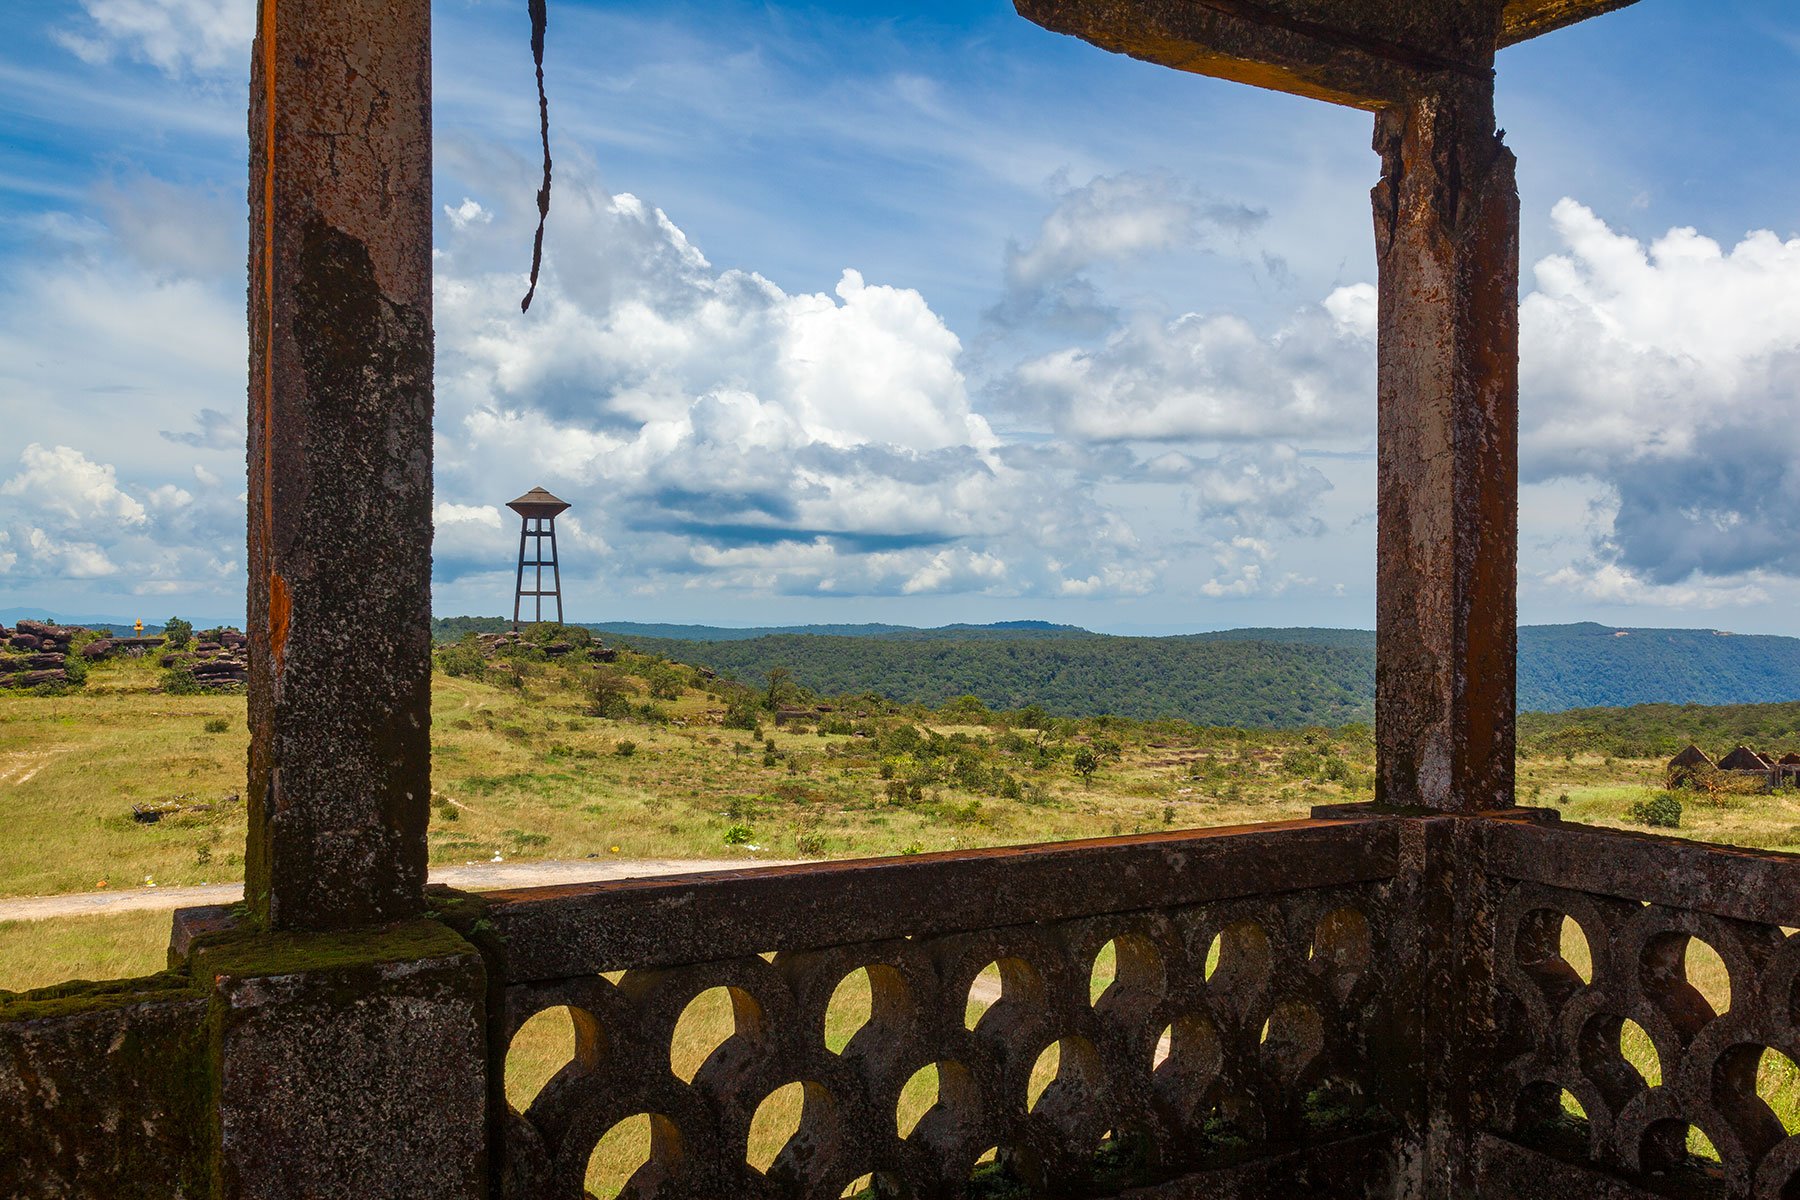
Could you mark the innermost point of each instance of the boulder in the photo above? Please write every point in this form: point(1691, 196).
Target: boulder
point(98, 648)
point(34, 678)
point(43, 662)
point(24, 641)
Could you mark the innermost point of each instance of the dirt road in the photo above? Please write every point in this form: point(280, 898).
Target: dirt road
point(476, 877)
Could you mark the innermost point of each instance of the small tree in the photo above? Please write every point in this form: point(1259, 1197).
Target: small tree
point(1085, 762)
point(177, 633)
point(780, 684)
point(608, 695)
point(665, 682)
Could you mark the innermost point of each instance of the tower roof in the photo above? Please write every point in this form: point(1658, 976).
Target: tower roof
point(537, 503)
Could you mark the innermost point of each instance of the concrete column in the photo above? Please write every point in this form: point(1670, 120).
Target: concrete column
point(1447, 237)
point(340, 461)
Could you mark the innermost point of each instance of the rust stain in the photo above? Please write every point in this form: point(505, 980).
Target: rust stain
point(281, 608)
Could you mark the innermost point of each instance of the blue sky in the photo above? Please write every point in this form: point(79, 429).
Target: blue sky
point(916, 313)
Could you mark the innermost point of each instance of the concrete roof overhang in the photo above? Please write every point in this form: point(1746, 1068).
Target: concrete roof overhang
point(1363, 53)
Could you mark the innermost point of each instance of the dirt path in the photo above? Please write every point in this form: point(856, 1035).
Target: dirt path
point(18, 767)
point(478, 877)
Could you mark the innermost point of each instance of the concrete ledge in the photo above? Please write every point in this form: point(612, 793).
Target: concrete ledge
point(105, 1091)
point(349, 1065)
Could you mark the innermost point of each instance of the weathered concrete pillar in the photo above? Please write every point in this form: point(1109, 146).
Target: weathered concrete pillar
point(1447, 237)
point(340, 461)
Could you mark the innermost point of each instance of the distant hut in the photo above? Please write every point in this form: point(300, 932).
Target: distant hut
point(1787, 769)
point(1744, 759)
point(1689, 763)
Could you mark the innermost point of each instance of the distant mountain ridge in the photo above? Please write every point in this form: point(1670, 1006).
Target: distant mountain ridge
point(1292, 677)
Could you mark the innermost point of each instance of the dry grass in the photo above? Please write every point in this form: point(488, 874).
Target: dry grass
point(36, 954)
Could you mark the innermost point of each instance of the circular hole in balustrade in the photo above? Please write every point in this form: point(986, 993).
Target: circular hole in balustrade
point(1342, 944)
point(1638, 1050)
point(628, 1148)
point(1293, 1036)
point(1188, 1054)
point(544, 1045)
point(1707, 973)
point(877, 1186)
point(1043, 1073)
point(1104, 970)
point(851, 1006)
point(917, 1098)
point(1549, 1117)
point(1239, 958)
point(1575, 950)
point(776, 1121)
point(984, 990)
point(704, 1025)
point(1778, 1084)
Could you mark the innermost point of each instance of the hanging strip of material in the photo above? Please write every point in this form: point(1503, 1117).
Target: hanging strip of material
point(540, 17)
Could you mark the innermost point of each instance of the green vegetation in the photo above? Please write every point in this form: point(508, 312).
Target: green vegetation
point(1263, 677)
point(1206, 682)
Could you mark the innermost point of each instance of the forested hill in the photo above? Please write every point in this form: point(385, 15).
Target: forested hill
point(1262, 677)
point(1254, 683)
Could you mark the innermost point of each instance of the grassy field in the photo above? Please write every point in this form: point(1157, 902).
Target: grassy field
point(523, 769)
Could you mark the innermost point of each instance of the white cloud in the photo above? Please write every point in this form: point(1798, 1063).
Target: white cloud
point(467, 213)
point(1111, 219)
point(1667, 372)
point(65, 482)
point(734, 434)
point(1216, 378)
point(177, 37)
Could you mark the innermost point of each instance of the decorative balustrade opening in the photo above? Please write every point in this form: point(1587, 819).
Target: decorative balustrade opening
point(942, 1025)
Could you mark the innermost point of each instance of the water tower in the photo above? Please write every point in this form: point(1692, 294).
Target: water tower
point(537, 511)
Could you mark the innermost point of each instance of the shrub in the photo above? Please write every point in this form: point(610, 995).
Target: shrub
point(177, 633)
point(741, 713)
point(1658, 809)
point(217, 724)
point(179, 681)
point(626, 748)
point(809, 843)
point(738, 835)
point(1085, 764)
point(608, 694)
point(665, 682)
point(462, 658)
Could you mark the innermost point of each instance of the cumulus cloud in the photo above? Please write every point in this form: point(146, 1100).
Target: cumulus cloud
point(178, 37)
point(1258, 488)
point(1667, 373)
point(65, 482)
point(736, 434)
point(1214, 377)
point(1113, 218)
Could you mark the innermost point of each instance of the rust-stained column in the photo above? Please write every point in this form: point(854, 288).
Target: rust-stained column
point(1447, 237)
point(340, 461)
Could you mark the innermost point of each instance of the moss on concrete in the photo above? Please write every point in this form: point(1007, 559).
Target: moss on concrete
point(84, 995)
point(250, 952)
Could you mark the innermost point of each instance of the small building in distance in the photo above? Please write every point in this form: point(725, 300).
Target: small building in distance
point(1742, 761)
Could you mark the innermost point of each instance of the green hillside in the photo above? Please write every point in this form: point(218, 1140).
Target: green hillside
point(1248, 683)
point(1262, 677)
